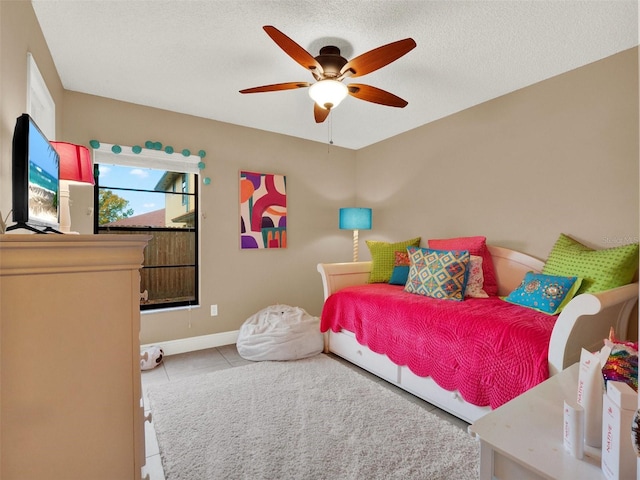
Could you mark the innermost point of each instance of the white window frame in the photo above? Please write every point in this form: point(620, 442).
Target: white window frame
point(40, 104)
point(161, 160)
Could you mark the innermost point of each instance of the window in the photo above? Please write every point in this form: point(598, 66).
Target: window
point(40, 104)
point(158, 197)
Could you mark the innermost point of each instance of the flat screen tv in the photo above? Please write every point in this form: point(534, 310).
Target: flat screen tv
point(35, 173)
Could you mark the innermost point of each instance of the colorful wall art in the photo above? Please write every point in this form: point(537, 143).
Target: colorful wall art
point(263, 210)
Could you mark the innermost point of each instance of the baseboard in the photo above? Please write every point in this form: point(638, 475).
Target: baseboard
point(191, 344)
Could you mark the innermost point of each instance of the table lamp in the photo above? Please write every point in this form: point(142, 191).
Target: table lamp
point(355, 219)
point(76, 167)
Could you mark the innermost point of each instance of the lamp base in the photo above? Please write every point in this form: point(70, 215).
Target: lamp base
point(65, 209)
point(355, 245)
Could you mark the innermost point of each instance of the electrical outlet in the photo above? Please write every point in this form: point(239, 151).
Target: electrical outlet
point(214, 310)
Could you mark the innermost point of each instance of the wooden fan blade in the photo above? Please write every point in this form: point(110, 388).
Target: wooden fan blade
point(319, 113)
point(375, 95)
point(276, 87)
point(294, 50)
point(377, 58)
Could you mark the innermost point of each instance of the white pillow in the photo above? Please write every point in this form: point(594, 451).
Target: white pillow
point(475, 281)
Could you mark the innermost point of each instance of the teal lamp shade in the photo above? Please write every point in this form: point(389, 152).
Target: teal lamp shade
point(355, 219)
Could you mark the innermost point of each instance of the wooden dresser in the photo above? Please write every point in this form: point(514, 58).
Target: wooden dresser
point(70, 392)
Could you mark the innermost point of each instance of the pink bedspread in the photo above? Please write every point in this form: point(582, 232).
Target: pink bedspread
point(489, 350)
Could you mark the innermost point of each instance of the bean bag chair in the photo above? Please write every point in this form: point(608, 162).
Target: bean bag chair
point(280, 332)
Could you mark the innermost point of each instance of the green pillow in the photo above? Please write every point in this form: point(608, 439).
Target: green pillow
point(599, 269)
point(383, 255)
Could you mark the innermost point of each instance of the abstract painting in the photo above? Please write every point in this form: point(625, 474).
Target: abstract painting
point(263, 210)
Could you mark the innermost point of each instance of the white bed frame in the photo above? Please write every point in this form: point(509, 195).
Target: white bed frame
point(584, 322)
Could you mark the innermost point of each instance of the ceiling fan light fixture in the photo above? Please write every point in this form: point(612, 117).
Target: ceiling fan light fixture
point(329, 68)
point(328, 93)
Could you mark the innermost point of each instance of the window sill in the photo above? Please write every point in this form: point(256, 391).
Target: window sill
point(170, 309)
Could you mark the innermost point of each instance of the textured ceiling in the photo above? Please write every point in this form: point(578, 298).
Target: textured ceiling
point(193, 56)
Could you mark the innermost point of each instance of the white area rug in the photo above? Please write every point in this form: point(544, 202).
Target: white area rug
point(306, 419)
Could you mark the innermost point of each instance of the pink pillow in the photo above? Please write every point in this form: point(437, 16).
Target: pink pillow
point(476, 246)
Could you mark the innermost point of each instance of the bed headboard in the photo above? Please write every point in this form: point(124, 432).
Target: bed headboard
point(510, 267)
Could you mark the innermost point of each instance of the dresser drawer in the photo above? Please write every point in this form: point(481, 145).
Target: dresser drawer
point(345, 345)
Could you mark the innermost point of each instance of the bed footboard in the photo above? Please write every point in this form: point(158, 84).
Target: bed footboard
point(585, 321)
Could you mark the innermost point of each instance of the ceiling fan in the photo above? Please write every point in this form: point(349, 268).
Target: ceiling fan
point(329, 68)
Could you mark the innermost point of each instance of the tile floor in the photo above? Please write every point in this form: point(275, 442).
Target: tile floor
point(204, 361)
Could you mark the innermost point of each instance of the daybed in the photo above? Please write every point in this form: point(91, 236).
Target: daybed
point(584, 322)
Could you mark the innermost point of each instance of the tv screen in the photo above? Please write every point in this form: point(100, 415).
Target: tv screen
point(35, 178)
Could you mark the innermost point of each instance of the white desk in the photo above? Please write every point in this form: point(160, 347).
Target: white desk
point(523, 438)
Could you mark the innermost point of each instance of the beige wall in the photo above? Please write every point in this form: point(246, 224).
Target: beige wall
point(558, 156)
point(239, 282)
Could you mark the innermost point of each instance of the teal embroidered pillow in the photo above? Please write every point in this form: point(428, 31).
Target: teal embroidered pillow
point(545, 293)
point(437, 273)
point(400, 271)
point(599, 269)
point(383, 257)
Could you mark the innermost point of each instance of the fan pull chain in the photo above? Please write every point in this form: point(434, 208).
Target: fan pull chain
point(330, 133)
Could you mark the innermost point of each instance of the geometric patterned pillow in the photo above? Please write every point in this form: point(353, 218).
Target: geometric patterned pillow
point(383, 257)
point(599, 269)
point(475, 279)
point(545, 293)
point(437, 273)
point(400, 269)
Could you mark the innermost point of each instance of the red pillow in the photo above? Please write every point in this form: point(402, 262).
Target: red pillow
point(402, 259)
point(476, 246)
